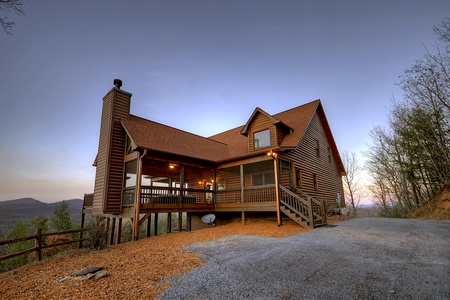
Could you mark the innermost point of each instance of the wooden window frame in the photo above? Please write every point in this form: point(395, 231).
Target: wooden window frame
point(317, 148)
point(264, 178)
point(329, 155)
point(256, 144)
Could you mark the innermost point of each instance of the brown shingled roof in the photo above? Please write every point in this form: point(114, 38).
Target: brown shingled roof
point(154, 136)
point(297, 118)
point(146, 134)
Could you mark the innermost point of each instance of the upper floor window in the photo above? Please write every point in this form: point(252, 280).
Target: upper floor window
point(316, 146)
point(262, 139)
point(329, 154)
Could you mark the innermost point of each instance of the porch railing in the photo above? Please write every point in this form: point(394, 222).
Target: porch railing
point(88, 200)
point(168, 195)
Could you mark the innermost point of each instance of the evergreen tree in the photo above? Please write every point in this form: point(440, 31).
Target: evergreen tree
point(61, 219)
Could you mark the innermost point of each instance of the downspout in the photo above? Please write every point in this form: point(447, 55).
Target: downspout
point(137, 200)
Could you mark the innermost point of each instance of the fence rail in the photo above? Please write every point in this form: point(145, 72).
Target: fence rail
point(38, 242)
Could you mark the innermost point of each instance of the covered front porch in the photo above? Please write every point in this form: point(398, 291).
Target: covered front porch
point(153, 185)
point(260, 184)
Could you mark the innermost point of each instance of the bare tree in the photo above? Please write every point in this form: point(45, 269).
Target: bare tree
point(409, 160)
point(10, 6)
point(352, 187)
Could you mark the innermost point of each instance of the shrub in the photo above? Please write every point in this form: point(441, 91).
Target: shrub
point(98, 232)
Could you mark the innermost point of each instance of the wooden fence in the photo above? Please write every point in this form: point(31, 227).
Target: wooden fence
point(38, 238)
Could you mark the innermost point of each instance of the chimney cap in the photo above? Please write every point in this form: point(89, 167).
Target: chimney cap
point(117, 83)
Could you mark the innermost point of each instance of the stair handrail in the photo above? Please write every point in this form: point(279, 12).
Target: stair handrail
point(301, 201)
point(319, 203)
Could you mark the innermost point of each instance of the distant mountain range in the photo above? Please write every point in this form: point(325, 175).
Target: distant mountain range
point(28, 209)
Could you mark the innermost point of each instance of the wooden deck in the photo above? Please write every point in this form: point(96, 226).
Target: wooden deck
point(302, 208)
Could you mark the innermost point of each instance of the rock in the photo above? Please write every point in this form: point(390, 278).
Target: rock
point(88, 270)
point(101, 274)
point(64, 279)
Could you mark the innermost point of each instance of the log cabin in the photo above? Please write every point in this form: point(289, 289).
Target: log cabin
point(285, 165)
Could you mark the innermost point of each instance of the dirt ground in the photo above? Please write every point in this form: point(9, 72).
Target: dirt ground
point(135, 268)
point(437, 208)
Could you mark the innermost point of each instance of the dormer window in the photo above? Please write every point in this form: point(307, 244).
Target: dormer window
point(261, 139)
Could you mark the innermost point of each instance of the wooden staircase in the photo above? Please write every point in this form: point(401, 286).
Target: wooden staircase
point(302, 208)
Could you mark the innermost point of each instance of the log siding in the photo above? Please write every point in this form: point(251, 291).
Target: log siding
point(110, 160)
point(329, 179)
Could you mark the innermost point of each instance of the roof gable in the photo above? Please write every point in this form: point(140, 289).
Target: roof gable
point(272, 120)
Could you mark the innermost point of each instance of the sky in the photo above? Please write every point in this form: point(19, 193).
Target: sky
point(200, 66)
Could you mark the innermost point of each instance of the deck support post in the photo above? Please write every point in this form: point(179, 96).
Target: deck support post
point(169, 222)
point(118, 231)
point(148, 228)
point(241, 170)
point(155, 224)
point(277, 192)
point(188, 221)
point(180, 221)
point(111, 235)
point(137, 200)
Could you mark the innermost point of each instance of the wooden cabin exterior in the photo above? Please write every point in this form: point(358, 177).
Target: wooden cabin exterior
point(282, 165)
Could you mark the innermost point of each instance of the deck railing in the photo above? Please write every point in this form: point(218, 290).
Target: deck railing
point(170, 195)
point(88, 200)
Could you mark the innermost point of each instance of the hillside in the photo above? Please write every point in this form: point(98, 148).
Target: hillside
point(437, 208)
point(27, 209)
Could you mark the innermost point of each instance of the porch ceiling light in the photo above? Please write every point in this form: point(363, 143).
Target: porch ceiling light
point(171, 166)
point(273, 154)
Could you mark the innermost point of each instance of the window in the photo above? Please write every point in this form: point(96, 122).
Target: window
point(315, 182)
point(263, 178)
point(130, 173)
point(329, 154)
point(298, 178)
point(261, 139)
point(316, 146)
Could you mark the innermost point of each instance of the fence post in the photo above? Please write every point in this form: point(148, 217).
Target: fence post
point(38, 244)
point(80, 244)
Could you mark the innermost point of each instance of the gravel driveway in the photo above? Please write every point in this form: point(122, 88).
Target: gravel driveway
point(367, 258)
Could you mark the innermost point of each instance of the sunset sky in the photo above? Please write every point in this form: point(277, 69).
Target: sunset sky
point(200, 66)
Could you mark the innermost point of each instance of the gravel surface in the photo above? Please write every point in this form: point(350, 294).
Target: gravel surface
point(137, 269)
point(367, 258)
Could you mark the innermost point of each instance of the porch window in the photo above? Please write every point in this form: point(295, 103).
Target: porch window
point(261, 139)
point(315, 182)
point(263, 178)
